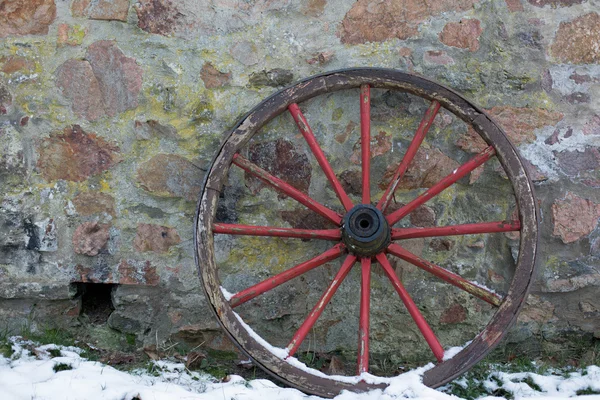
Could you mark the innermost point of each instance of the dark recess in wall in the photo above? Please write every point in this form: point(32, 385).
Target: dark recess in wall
point(96, 301)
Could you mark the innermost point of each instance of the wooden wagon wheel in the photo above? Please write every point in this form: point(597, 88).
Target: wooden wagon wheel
point(365, 234)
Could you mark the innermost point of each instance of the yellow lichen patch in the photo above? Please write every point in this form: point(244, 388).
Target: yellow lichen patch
point(74, 187)
point(77, 33)
point(449, 195)
point(104, 185)
point(264, 254)
point(337, 114)
point(540, 99)
point(156, 108)
point(71, 35)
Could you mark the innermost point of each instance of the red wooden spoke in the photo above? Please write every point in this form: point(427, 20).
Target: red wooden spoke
point(432, 340)
point(464, 229)
point(363, 328)
point(274, 281)
point(320, 156)
point(445, 275)
point(287, 189)
point(410, 154)
point(233, 229)
point(441, 185)
point(320, 306)
point(365, 141)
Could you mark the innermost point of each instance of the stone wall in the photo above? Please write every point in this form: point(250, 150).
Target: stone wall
point(110, 112)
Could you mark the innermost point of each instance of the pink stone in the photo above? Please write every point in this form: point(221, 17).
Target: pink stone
point(376, 20)
point(101, 9)
point(351, 181)
point(106, 83)
point(428, 167)
point(454, 314)
point(137, 273)
point(212, 77)
point(77, 81)
point(90, 237)
point(578, 41)
point(314, 8)
point(381, 143)
point(592, 127)
point(555, 3)
point(519, 123)
point(158, 16)
point(405, 52)
point(463, 34)
point(5, 99)
point(68, 35)
point(155, 238)
point(280, 157)
point(119, 76)
point(574, 162)
point(514, 5)
point(170, 175)
point(26, 17)
point(16, 63)
point(574, 217)
point(94, 203)
point(75, 155)
point(423, 216)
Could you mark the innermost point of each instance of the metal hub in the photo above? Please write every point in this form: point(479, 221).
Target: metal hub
point(365, 231)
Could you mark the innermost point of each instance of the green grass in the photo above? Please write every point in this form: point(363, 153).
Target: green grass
point(59, 337)
point(471, 386)
point(587, 391)
point(521, 364)
point(130, 338)
point(591, 355)
point(529, 381)
point(62, 367)
point(210, 367)
point(312, 359)
point(217, 363)
point(574, 357)
point(474, 389)
point(55, 352)
point(153, 369)
point(55, 336)
point(6, 349)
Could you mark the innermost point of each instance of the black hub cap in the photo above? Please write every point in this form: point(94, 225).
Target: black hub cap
point(365, 231)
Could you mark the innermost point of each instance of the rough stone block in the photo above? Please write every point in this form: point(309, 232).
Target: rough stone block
point(26, 17)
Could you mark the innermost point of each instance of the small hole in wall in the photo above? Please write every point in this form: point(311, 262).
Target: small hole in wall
point(96, 301)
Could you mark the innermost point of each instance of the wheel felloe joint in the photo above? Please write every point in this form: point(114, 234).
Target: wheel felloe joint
point(365, 231)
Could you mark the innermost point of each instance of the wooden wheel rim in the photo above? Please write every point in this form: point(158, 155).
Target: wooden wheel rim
point(329, 82)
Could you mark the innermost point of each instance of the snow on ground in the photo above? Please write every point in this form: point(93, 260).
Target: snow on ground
point(28, 375)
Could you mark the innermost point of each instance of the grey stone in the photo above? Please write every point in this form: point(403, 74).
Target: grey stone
point(245, 52)
point(274, 78)
point(123, 324)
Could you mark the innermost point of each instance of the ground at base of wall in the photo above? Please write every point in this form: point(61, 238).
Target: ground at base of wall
point(120, 352)
point(28, 370)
